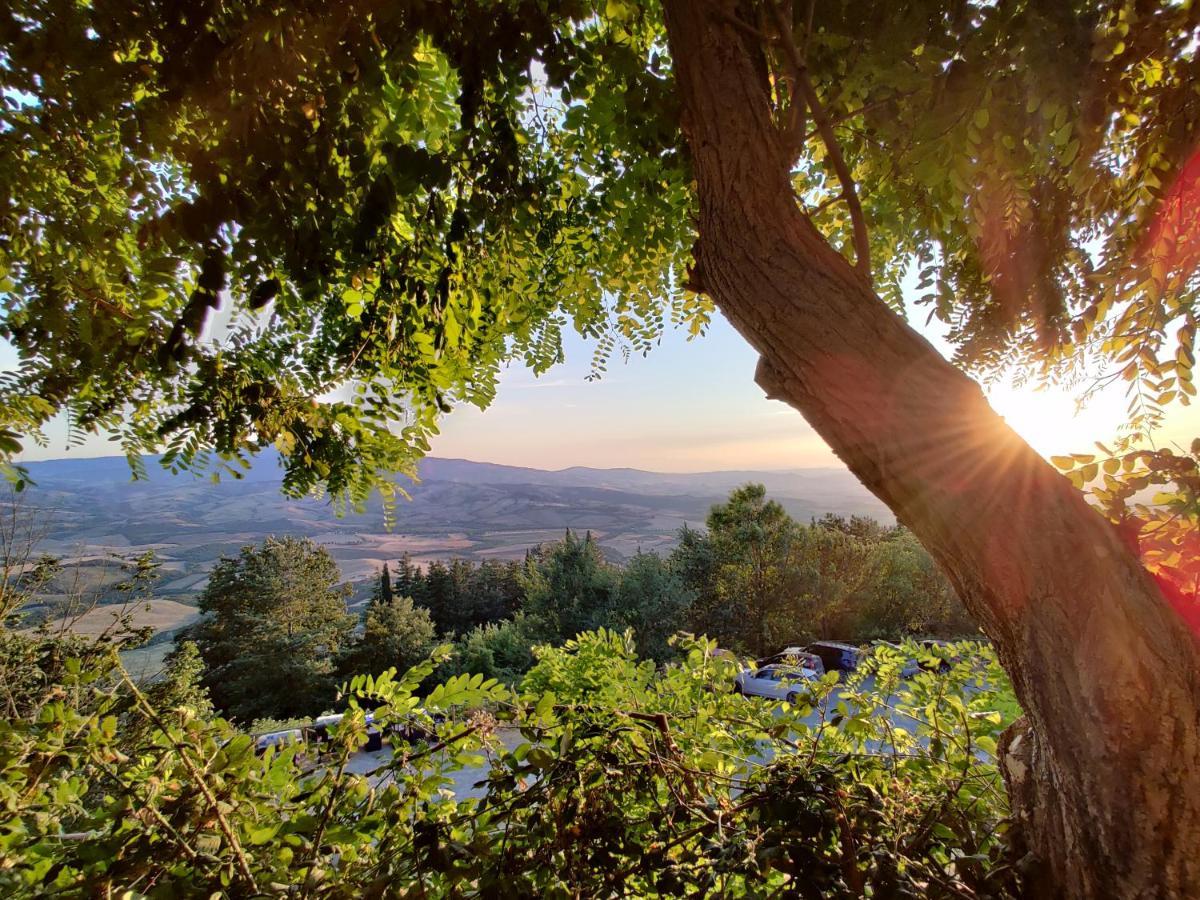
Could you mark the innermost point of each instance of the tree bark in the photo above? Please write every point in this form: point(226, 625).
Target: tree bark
point(1104, 774)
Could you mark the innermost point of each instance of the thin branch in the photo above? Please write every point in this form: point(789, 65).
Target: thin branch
point(828, 202)
point(851, 114)
point(808, 20)
point(148, 807)
point(862, 247)
point(334, 792)
point(794, 135)
point(230, 835)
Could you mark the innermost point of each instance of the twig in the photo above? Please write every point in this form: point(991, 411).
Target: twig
point(442, 745)
point(808, 20)
point(230, 835)
point(149, 807)
point(828, 202)
point(862, 246)
point(334, 793)
point(687, 835)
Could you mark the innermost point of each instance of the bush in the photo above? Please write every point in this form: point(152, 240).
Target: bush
point(622, 783)
point(599, 668)
point(502, 650)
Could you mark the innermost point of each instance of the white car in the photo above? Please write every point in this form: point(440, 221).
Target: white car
point(795, 656)
point(318, 731)
point(277, 739)
point(777, 682)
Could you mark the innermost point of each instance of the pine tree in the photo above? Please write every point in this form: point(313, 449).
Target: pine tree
point(385, 585)
point(395, 634)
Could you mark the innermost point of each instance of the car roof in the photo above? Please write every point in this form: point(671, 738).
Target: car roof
point(278, 735)
point(835, 644)
point(782, 668)
point(792, 651)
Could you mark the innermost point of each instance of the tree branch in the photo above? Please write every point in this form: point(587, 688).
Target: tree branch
point(152, 716)
point(862, 246)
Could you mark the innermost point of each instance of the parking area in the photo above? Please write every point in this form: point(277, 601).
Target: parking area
point(465, 782)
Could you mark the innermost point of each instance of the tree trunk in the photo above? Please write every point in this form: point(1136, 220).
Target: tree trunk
point(1104, 775)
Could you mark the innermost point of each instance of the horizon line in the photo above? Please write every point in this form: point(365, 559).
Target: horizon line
point(480, 462)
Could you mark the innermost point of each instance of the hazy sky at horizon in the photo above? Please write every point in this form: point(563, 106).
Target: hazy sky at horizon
point(687, 407)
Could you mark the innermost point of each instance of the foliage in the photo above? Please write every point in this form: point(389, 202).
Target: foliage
point(31, 666)
point(500, 650)
point(274, 620)
point(418, 203)
point(653, 601)
point(24, 569)
point(646, 785)
point(597, 668)
point(863, 527)
point(34, 661)
point(905, 593)
point(1153, 496)
point(753, 541)
point(179, 691)
point(762, 581)
point(851, 579)
point(386, 594)
point(460, 594)
point(396, 635)
point(411, 215)
point(180, 684)
point(695, 561)
point(569, 588)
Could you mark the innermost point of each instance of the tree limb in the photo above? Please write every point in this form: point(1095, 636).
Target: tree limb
point(862, 246)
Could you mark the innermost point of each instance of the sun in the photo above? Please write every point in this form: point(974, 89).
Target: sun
point(1049, 420)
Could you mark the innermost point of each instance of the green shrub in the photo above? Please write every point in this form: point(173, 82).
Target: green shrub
point(621, 782)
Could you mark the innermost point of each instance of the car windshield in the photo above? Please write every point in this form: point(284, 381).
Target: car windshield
point(777, 675)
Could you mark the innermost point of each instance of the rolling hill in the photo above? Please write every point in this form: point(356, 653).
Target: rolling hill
point(458, 508)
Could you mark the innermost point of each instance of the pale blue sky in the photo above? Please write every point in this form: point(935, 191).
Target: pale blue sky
point(688, 406)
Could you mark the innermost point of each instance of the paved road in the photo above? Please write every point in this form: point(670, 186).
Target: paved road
point(463, 780)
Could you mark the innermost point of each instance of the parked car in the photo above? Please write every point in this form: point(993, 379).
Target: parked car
point(277, 739)
point(795, 656)
point(836, 656)
point(318, 731)
point(777, 682)
point(944, 662)
point(415, 730)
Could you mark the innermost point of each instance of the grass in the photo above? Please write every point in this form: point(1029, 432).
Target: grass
point(146, 663)
point(161, 615)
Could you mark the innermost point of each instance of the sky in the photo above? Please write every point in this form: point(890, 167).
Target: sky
point(694, 406)
point(690, 406)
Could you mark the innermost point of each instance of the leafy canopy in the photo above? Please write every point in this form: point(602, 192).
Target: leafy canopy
point(226, 226)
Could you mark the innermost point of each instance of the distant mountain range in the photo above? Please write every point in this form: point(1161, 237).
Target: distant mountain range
point(458, 508)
